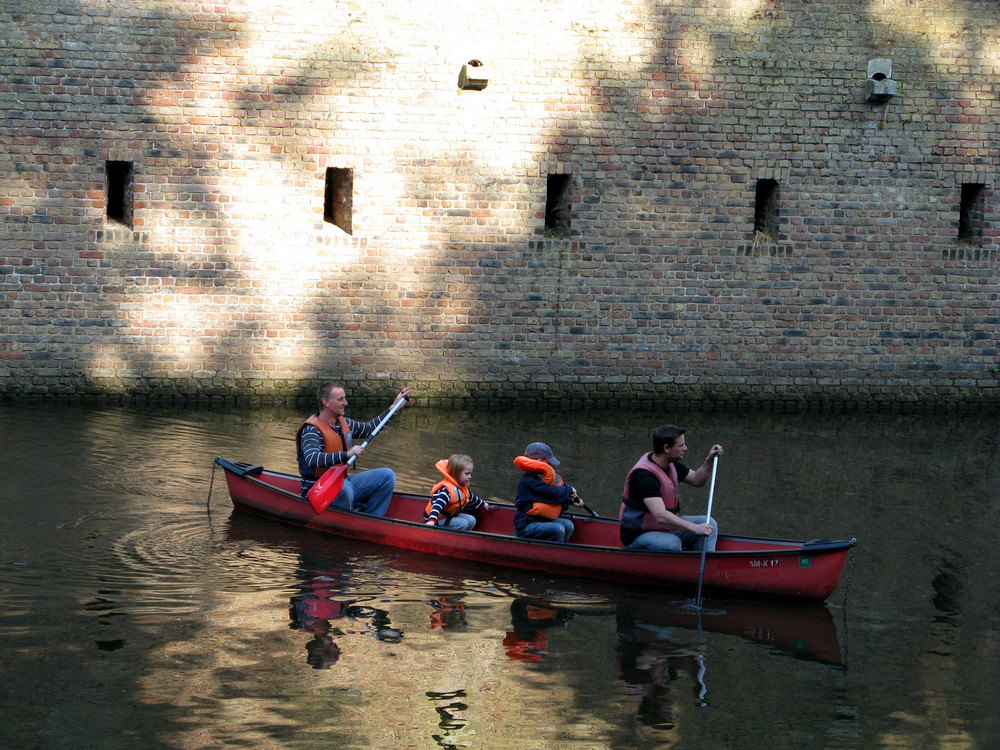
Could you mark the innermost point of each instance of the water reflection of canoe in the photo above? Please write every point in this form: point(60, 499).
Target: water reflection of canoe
point(804, 630)
point(805, 570)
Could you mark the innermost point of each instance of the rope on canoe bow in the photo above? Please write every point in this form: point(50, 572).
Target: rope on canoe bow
point(843, 606)
point(850, 575)
point(211, 484)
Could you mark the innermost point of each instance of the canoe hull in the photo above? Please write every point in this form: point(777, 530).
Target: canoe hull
point(741, 565)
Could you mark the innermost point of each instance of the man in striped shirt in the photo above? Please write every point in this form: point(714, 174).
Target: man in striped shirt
point(327, 438)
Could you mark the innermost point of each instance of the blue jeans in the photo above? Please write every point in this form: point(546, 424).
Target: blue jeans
point(460, 521)
point(675, 541)
point(558, 530)
point(367, 492)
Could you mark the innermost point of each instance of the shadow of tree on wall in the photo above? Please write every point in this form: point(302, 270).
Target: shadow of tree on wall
point(731, 100)
point(181, 296)
point(231, 119)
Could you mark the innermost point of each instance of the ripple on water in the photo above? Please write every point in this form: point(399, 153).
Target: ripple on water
point(182, 564)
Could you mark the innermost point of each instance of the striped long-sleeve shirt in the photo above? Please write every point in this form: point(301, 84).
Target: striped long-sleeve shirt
point(311, 455)
point(441, 498)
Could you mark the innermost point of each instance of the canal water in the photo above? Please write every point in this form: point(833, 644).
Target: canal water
point(137, 609)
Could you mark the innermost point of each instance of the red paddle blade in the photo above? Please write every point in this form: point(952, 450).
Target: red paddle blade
point(327, 487)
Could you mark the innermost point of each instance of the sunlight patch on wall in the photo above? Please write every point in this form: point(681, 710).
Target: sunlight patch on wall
point(746, 9)
point(942, 33)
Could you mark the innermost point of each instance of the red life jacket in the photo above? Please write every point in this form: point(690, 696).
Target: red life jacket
point(632, 508)
point(458, 496)
point(333, 441)
point(548, 511)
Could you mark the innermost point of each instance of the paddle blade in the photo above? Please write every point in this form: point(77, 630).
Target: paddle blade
point(327, 487)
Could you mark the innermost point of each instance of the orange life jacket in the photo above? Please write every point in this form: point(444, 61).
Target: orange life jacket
point(458, 496)
point(548, 511)
point(333, 441)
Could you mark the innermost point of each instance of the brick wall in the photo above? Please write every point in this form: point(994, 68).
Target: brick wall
point(850, 287)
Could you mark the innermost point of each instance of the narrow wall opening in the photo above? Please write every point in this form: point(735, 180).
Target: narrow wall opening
point(971, 214)
point(765, 211)
point(338, 199)
point(557, 205)
point(118, 192)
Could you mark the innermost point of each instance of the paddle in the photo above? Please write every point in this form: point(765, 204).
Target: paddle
point(580, 504)
point(329, 485)
point(701, 569)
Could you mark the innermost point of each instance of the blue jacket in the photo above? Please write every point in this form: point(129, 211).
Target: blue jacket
point(530, 490)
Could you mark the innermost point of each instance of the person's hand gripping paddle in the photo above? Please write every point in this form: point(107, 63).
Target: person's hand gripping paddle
point(329, 485)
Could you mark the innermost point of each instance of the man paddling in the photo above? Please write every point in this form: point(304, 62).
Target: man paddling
point(327, 439)
point(650, 515)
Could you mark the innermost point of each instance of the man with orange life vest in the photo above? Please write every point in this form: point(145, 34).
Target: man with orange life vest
point(327, 439)
point(451, 497)
point(650, 514)
point(542, 496)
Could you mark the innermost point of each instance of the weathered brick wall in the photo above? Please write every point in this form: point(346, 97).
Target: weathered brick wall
point(229, 283)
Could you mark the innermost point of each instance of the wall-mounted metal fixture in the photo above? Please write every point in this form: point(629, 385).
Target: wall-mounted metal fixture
point(474, 76)
point(880, 86)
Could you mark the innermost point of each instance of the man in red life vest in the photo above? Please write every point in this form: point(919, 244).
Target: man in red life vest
point(650, 515)
point(327, 438)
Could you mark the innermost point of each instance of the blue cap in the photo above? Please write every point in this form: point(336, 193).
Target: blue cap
point(541, 450)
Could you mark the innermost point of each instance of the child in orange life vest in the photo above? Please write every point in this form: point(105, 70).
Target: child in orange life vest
point(451, 497)
point(542, 496)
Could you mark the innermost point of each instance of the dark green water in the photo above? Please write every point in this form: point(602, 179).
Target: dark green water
point(135, 613)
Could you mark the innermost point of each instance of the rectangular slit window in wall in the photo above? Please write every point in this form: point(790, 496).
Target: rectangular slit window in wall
point(765, 219)
point(557, 205)
point(118, 192)
point(765, 210)
point(338, 200)
point(971, 214)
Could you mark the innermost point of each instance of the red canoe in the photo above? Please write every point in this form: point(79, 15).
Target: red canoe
point(743, 565)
